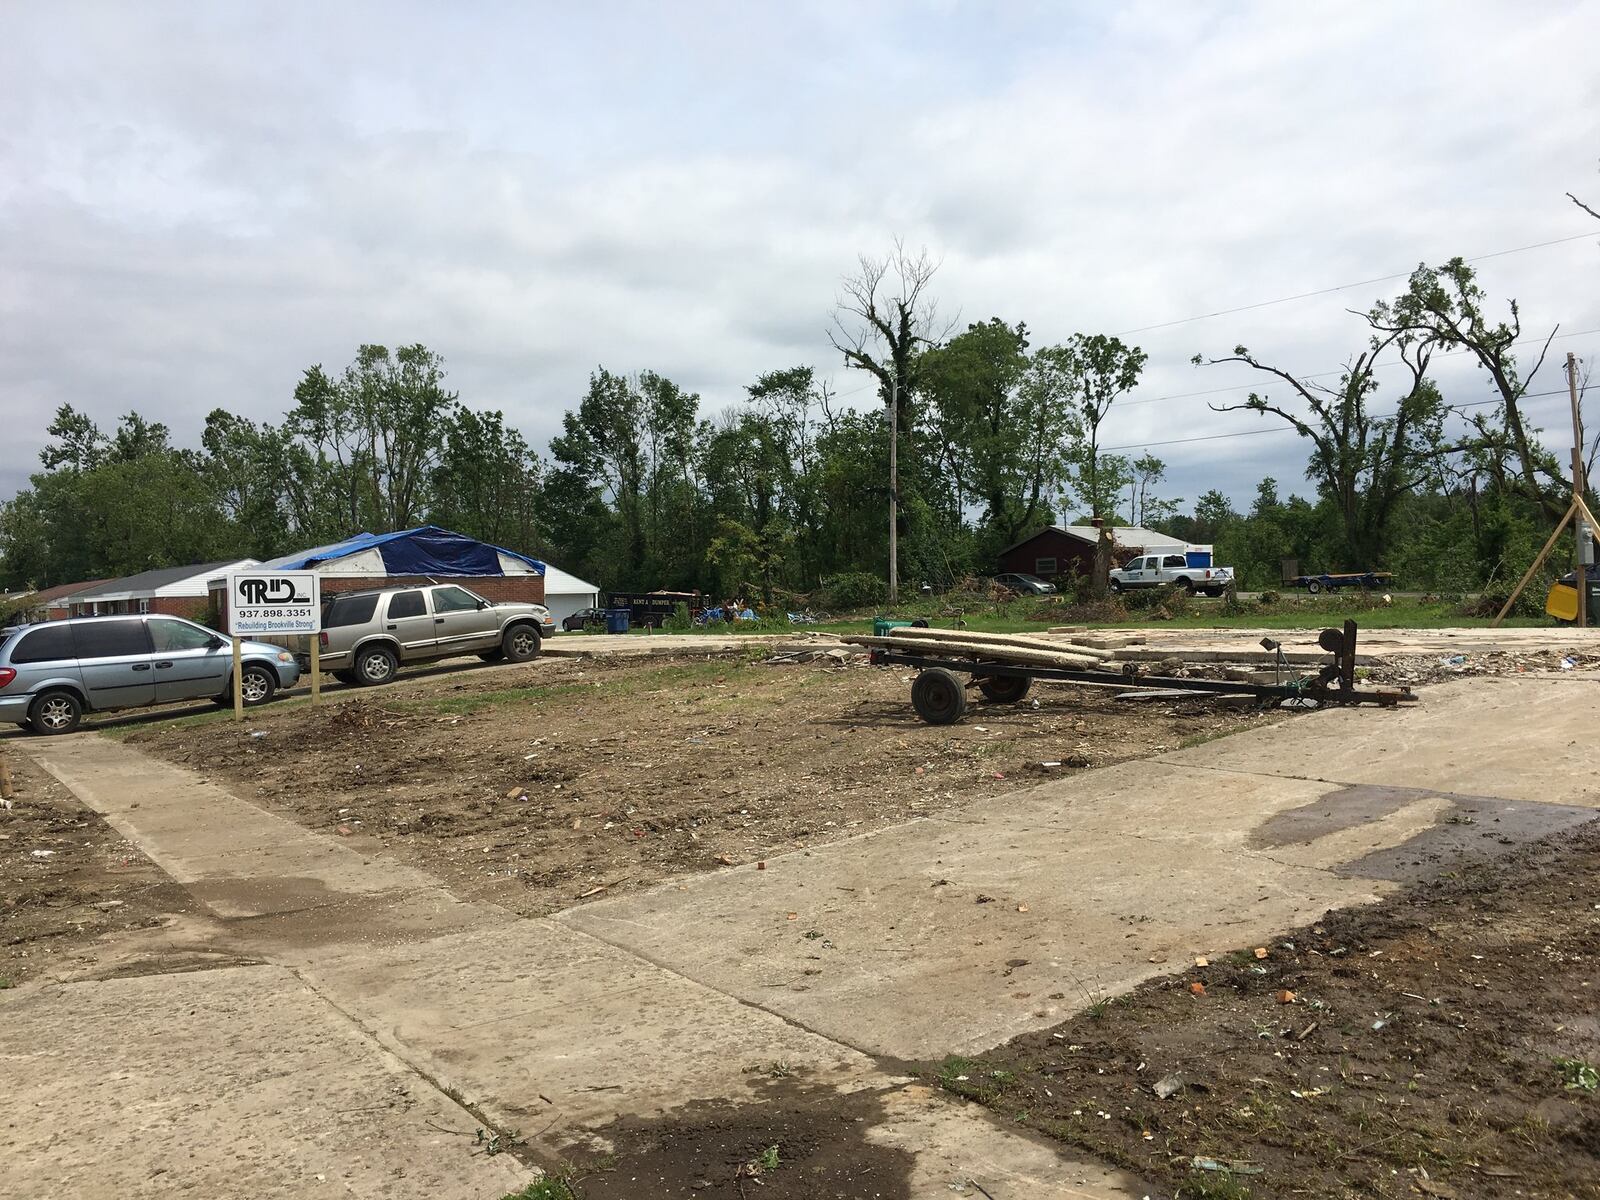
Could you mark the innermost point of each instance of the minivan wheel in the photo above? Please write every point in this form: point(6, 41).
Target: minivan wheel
point(375, 665)
point(55, 712)
point(520, 643)
point(256, 685)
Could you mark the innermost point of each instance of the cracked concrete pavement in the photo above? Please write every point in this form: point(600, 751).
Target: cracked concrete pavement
point(942, 935)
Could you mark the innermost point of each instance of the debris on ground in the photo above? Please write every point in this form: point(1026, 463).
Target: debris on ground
point(1452, 1052)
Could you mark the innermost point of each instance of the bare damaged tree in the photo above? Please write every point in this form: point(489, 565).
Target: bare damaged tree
point(1445, 307)
point(883, 319)
point(1363, 463)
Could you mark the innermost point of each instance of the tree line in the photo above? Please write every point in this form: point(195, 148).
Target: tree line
point(784, 494)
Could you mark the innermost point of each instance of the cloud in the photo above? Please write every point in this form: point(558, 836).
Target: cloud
point(200, 203)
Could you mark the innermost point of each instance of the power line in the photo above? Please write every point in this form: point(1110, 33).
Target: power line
point(1343, 287)
point(1217, 437)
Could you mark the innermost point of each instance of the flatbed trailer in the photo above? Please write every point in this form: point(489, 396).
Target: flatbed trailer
point(939, 695)
point(1369, 581)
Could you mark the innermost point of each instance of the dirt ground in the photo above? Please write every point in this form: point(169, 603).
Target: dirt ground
point(1441, 1044)
point(536, 787)
point(67, 879)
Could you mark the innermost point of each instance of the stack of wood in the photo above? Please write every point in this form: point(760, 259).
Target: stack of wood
point(1023, 649)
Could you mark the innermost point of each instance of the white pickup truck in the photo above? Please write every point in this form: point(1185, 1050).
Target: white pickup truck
point(1153, 570)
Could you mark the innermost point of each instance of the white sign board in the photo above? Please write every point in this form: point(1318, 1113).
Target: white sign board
point(270, 602)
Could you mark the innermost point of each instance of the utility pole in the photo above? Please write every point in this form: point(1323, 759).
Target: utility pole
point(1583, 549)
point(894, 490)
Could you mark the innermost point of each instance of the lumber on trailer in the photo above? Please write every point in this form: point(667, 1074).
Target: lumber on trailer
point(944, 648)
point(1026, 641)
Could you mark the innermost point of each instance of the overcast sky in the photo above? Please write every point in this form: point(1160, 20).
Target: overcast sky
point(198, 201)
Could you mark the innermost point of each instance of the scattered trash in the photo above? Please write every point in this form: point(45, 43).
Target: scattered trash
point(1202, 961)
point(44, 854)
point(1022, 908)
point(1167, 1087)
point(794, 916)
point(1284, 996)
point(1378, 1024)
point(343, 830)
point(725, 860)
point(1261, 951)
point(1197, 988)
point(517, 793)
point(1233, 1166)
point(1453, 660)
point(258, 733)
point(1568, 663)
point(1309, 1093)
point(761, 866)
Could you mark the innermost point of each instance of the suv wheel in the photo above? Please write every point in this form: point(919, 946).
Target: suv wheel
point(256, 685)
point(55, 712)
point(375, 665)
point(1116, 587)
point(520, 643)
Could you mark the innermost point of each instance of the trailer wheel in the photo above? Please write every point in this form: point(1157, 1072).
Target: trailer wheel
point(938, 697)
point(1313, 586)
point(1004, 689)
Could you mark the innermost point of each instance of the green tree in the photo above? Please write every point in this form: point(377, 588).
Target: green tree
point(1102, 369)
point(1363, 463)
point(997, 417)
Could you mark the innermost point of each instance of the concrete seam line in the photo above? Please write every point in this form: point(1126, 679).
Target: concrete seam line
point(651, 960)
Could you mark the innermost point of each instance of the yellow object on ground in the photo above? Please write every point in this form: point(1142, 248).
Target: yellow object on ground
point(1562, 602)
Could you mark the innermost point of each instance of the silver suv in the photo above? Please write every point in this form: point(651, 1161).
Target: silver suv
point(53, 673)
point(367, 635)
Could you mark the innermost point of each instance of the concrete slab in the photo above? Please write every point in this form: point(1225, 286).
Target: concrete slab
point(1529, 738)
point(539, 1023)
point(244, 862)
point(954, 933)
point(960, 1148)
point(236, 1082)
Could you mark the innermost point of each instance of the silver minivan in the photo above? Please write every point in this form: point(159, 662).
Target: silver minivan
point(54, 672)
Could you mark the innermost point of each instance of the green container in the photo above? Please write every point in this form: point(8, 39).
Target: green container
point(881, 626)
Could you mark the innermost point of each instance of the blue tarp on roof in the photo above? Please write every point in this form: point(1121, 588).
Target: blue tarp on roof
point(427, 550)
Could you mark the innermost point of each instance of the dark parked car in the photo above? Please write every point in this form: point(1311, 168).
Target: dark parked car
point(584, 618)
point(1028, 585)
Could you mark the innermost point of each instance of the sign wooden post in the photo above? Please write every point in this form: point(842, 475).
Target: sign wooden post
point(269, 603)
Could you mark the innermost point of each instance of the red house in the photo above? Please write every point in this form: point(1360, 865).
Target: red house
point(1062, 551)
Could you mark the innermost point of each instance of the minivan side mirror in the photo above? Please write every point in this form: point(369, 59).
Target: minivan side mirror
point(216, 643)
point(482, 604)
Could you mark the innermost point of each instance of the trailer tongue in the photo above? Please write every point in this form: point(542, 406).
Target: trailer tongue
point(1003, 670)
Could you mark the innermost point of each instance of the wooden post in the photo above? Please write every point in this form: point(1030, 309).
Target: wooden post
point(316, 668)
point(894, 489)
point(238, 683)
point(1581, 528)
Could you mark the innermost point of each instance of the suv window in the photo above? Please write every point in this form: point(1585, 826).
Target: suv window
point(111, 639)
point(406, 604)
point(45, 644)
point(349, 610)
point(451, 599)
point(1175, 560)
point(172, 636)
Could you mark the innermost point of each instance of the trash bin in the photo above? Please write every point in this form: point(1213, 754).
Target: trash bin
point(618, 620)
point(881, 626)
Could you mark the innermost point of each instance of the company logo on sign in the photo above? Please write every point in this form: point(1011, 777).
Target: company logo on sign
point(274, 589)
